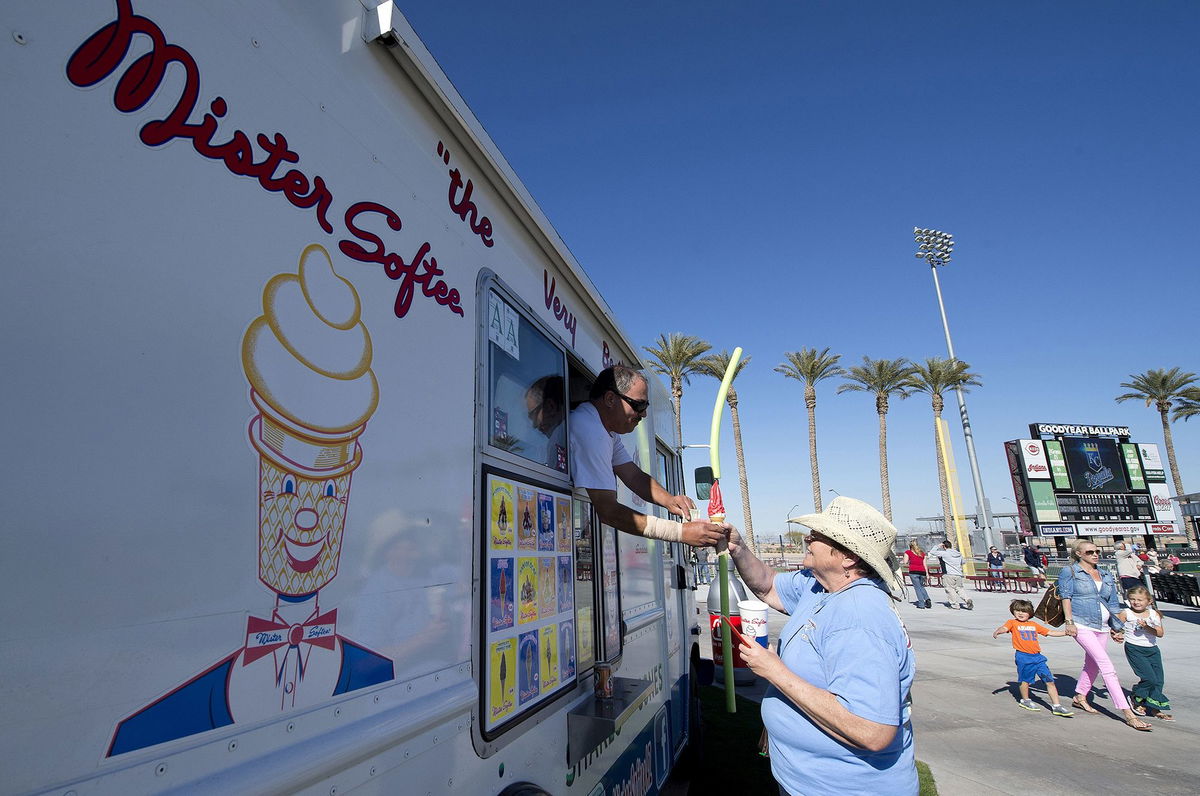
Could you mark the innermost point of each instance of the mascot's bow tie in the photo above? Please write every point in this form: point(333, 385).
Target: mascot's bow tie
point(264, 636)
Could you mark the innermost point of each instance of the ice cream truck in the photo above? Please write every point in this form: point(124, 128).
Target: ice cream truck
point(289, 352)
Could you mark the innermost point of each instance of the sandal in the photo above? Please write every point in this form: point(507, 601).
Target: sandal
point(1082, 704)
point(1138, 709)
point(1138, 724)
point(1164, 716)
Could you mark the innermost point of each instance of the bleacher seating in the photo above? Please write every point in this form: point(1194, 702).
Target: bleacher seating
point(1180, 588)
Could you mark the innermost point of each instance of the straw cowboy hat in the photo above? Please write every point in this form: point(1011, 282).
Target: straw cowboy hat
point(866, 533)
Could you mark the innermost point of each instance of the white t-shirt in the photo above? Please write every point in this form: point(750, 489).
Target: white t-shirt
point(1140, 636)
point(594, 450)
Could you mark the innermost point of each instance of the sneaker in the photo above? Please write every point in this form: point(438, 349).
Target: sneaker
point(1028, 704)
point(929, 603)
point(1059, 710)
point(970, 606)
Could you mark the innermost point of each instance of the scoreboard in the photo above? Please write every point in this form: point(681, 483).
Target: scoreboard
point(1075, 480)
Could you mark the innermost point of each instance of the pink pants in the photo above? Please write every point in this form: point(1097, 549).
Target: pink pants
point(1095, 661)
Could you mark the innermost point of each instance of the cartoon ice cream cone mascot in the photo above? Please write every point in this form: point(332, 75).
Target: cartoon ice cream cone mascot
point(308, 361)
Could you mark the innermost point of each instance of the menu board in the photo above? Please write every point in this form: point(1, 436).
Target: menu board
point(529, 634)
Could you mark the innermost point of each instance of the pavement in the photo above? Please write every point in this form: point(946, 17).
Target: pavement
point(978, 742)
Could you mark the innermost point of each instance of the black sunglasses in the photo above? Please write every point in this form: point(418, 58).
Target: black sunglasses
point(638, 405)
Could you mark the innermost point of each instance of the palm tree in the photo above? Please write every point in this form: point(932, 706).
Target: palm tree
point(675, 356)
point(715, 365)
point(808, 365)
point(934, 378)
point(1189, 404)
point(1161, 387)
point(883, 378)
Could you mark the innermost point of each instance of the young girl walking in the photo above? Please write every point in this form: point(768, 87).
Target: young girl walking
point(1143, 629)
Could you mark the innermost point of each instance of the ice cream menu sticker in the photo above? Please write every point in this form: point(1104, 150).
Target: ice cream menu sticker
point(502, 513)
point(530, 630)
point(526, 518)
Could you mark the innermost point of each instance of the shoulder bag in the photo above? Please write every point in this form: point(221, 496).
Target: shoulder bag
point(1050, 609)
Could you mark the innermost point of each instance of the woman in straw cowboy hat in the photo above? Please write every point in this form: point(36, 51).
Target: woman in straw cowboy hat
point(837, 707)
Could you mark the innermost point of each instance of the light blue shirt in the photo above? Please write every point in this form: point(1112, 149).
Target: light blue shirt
point(850, 643)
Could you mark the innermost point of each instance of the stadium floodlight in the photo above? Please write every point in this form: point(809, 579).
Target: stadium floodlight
point(935, 248)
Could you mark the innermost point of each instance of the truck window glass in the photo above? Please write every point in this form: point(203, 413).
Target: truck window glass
point(527, 403)
point(585, 589)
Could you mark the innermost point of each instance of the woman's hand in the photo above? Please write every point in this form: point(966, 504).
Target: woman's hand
point(1070, 630)
point(1117, 636)
point(735, 538)
point(762, 661)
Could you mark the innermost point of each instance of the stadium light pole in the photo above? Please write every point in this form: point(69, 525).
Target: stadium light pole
point(935, 248)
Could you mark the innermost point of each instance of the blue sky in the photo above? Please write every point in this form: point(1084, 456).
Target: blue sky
point(776, 155)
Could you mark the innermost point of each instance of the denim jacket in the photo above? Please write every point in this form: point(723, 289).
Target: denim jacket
point(1077, 586)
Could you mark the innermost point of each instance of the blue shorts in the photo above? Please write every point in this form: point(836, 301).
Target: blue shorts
point(1031, 665)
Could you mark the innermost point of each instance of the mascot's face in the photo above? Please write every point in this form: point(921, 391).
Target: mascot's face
point(300, 524)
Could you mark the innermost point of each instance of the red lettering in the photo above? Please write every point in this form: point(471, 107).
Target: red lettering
point(557, 305)
point(461, 205)
point(102, 53)
point(393, 265)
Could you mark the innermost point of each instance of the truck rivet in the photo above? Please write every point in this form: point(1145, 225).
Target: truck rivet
point(160, 769)
point(254, 42)
point(233, 745)
point(19, 38)
point(291, 726)
point(337, 712)
point(372, 771)
point(333, 791)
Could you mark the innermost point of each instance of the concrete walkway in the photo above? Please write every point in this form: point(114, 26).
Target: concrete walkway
point(976, 739)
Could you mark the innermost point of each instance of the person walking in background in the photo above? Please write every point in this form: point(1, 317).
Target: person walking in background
point(1143, 628)
point(837, 709)
point(1033, 560)
point(917, 573)
point(995, 562)
point(1089, 601)
point(1031, 663)
point(1129, 568)
point(952, 575)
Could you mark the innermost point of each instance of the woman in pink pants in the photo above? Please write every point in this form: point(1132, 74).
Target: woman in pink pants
point(1090, 604)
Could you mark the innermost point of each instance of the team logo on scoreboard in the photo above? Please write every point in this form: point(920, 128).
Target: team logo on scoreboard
point(1099, 474)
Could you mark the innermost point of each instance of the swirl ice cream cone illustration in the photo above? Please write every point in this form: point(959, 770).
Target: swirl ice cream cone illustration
point(308, 361)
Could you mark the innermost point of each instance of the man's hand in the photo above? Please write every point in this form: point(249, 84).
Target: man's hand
point(703, 534)
point(681, 505)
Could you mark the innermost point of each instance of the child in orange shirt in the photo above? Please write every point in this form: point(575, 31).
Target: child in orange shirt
point(1031, 663)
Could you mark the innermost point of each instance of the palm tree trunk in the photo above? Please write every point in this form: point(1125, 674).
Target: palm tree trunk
point(884, 483)
point(1170, 445)
point(741, 464)
point(943, 485)
point(810, 401)
point(677, 403)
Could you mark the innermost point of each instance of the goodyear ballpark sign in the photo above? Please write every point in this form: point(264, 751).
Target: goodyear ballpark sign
point(1060, 429)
